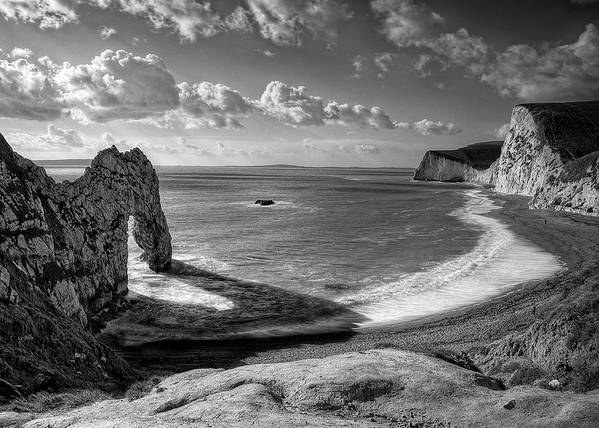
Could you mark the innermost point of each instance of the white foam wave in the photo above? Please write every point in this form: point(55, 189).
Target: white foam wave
point(500, 260)
point(167, 287)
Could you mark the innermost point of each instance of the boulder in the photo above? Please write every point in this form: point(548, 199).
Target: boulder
point(264, 202)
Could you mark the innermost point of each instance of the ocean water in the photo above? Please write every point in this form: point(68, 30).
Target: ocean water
point(373, 240)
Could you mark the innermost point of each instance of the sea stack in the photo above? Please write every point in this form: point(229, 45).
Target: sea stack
point(63, 262)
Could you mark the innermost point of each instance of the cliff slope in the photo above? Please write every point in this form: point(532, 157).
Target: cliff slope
point(470, 163)
point(63, 262)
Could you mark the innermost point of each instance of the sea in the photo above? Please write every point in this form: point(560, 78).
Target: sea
point(373, 240)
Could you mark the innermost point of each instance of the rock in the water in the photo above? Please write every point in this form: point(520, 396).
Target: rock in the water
point(264, 202)
point(470, 163)
point(63, 260)
point(389, 387)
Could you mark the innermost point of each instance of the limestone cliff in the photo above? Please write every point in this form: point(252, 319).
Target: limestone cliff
point(63, 260)
point(470, 163)
point(551, 153)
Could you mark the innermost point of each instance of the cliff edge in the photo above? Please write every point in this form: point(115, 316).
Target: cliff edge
point(551, 153)
point(470, 163)
point(63, 262)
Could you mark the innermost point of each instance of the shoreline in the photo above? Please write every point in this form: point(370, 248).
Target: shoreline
point(572, 237)
point(456, 331)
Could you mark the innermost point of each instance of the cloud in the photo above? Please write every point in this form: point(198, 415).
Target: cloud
point(54, 139)
point(106, 32)
point(502, 131)
point(293, 105)
point(45, 13)
point(205, 105)
point(383, 62)
point(267, 53)
point(365, 117)
point(21, 53)
point(366, 148)
point(359, 64)
point(117, 85)
point(284, 21)
point(549, 72)
point(405, 22)
point(430, 127)
point(379, 62)
point(27, 90)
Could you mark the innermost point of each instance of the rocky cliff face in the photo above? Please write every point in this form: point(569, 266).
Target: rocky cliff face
point(551, 154)
point(63, 259)
point(470, 163)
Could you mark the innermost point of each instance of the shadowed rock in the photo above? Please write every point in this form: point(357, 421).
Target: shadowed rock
point(63, 259)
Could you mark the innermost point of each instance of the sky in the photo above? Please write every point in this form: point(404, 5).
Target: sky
point(368, 83)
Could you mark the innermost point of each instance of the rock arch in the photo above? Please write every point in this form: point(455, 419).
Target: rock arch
point(70, 239)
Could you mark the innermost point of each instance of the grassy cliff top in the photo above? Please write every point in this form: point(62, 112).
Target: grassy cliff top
point(570, 128)
point(478, 155)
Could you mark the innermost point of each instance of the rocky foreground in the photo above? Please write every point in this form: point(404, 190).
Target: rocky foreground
point(551, 154)
point(384, 387)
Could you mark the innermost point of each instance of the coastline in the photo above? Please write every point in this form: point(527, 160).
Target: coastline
point(572, 237)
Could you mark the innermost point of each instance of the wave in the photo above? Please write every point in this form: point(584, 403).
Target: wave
point(500, 260)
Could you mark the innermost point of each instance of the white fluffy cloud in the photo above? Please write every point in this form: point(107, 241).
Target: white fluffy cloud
point(293, 105)
point(55, 138)
point(27, 90)
point(430, 127)
point(366, 148)
point(549, 72)
point(117, 85)
point(405, 22)
point(45, 13)
point(205, 105)
point(106, 32)
point(284, 21)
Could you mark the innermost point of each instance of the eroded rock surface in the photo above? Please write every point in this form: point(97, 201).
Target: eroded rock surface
point(551, 153)
point(374, 388)
point(63, 261)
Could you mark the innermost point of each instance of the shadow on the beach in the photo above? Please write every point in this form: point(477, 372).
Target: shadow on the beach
point(166, 335)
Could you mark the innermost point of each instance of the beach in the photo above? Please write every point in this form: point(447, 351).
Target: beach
point(573, 238)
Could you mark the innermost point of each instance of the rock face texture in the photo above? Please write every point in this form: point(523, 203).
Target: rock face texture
point(382, 387)
point(63, 260)
point(551, 153)
point(470, 163)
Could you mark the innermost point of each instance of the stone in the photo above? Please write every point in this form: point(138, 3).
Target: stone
point(350, 389)
point(264, 202)
point(554, 384)
point(509, 405)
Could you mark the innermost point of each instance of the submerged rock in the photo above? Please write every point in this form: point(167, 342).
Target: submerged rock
point(63, 261)
point(389, 387)
point(264, 202)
